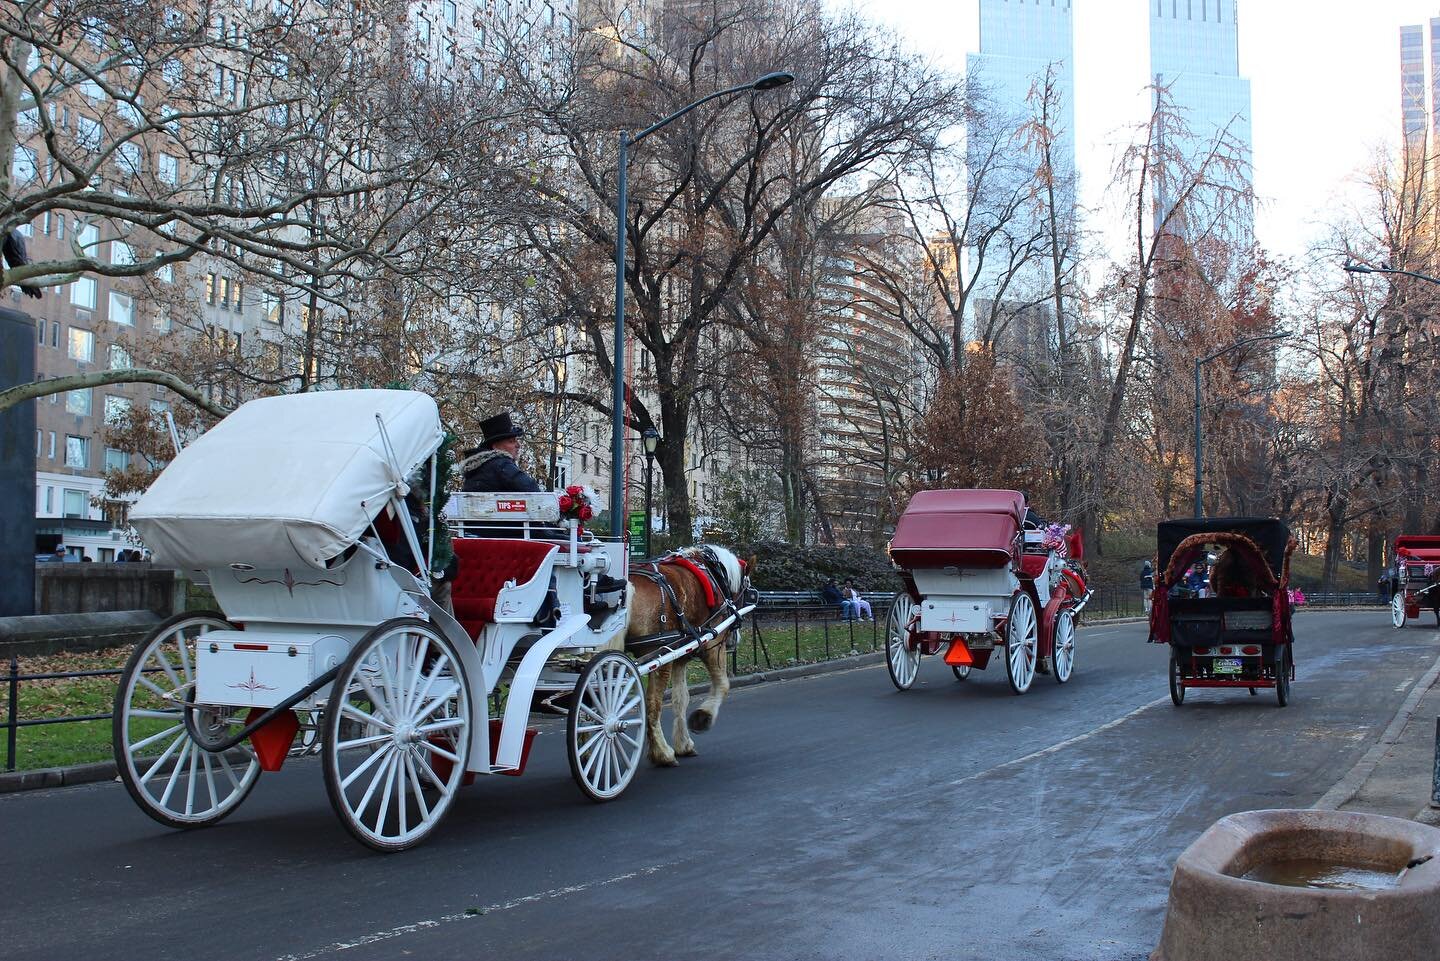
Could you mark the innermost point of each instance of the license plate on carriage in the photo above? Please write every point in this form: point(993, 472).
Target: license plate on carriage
point(1226, 665)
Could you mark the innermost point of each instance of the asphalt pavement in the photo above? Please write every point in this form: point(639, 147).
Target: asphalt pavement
point(828, 817)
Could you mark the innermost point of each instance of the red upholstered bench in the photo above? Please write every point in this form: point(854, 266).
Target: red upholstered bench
point(486, 563)
point(1033, 565)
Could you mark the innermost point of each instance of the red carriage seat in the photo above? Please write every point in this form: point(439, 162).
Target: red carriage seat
point(1033, 565)
point(485, 565)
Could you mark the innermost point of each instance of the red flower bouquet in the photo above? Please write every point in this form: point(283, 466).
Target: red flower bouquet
point(577, 503)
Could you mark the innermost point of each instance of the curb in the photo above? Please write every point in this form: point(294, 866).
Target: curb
point(1348, 786)
point(44, 777)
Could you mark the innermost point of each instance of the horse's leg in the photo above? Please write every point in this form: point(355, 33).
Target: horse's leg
point(680, 704)
point(659, 751)
point(704, 717)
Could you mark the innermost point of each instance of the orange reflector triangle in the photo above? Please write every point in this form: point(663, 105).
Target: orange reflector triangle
point(958, 655)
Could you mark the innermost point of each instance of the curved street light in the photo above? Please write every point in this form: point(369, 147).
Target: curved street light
point(769, 81)
point(1199, 453)
point(1367, 269)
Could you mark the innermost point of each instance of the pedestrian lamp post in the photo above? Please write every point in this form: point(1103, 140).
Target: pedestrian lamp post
point(651, 438)
point(1199, 435)
point(769, 81)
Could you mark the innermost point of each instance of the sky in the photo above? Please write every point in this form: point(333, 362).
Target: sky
point(1325, 94)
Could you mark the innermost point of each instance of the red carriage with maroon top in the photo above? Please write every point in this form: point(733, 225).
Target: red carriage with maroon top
point(1417, 577)
point(978, 578)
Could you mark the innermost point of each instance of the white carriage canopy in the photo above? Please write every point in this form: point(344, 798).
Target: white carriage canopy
point(286, 480)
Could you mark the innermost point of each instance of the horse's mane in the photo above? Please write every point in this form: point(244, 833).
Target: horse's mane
point(727, 560)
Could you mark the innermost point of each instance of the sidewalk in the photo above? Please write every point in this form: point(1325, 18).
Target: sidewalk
point(1399, 784)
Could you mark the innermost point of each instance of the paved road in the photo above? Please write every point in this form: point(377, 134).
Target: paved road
point(829, 817)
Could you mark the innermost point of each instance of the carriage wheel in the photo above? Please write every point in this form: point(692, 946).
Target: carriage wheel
point(961, 671)
point(1021, 643)
point(1282, 678)
point(901, 660)
point(1177, 683)
point(172, 778)
point(605, 732)
point(397, 734)
point(1064, 658)
point(1397, 610)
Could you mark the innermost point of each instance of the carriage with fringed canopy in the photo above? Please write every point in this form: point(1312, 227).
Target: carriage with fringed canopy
point(1416, 579)
point(309, 516)
point(978, 577)
point(1236, 632)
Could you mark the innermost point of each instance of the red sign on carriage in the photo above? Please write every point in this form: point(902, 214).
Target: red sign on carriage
point(510, 506)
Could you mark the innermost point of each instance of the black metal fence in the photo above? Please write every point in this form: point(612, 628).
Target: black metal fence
point(787, 628)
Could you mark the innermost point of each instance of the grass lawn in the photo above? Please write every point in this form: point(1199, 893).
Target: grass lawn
point(56, 745)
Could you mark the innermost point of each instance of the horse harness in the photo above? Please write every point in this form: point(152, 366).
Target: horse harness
point(711, 576)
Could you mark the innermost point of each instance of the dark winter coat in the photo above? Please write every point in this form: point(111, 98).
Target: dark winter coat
point(491, 471)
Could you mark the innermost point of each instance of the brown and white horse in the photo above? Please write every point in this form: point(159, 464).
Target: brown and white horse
point(651, 613)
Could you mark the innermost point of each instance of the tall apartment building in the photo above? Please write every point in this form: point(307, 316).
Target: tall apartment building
point(1195, 53)
point(1020, 42)
point(868, 376)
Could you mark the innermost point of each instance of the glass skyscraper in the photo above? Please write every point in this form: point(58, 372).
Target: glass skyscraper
point(1019, 41)
point(1195, 53)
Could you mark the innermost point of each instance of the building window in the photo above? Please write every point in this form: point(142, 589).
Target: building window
point(49, 500)
point(87, 132)
point(210, 289)
point(77, 451)
point(422, 30)
point(167, 169)
point(224, 292)
point(116, 460)
point(52, 445)
point(82, 293)
point(54, 333)
point(40, 326)
point(272, 307)
point(78, 402)
point(115, 409)
point(162, 319)
point(121, 253)
point(165, 272)
point(82, 344)
point(75, 503)
point(122, 309)
point(119, 357)
point(449, 7)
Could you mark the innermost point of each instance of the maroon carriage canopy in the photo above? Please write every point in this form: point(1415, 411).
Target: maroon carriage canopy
point(958, 528)
point(1419, 547)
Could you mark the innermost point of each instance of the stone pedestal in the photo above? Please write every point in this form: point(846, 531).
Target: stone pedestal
point(17, 468)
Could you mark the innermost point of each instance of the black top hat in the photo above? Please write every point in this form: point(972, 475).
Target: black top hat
point(497, 428)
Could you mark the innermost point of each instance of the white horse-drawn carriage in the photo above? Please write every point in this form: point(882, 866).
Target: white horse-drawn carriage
point(975, 579)
point(329, 641)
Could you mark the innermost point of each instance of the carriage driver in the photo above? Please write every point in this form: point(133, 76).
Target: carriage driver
point(491, 467)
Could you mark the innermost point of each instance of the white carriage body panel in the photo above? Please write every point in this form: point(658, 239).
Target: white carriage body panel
point(519, 603)
point(286, 482)
point(262, 668)
point(360, 594)
point(963, 600)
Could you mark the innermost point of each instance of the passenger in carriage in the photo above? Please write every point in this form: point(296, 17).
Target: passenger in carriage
point(491, 467)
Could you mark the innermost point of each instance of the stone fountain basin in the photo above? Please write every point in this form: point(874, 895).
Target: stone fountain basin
point(1215, 914)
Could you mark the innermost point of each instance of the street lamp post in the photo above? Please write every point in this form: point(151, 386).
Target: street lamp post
point(1199, 436)
point(770, 81)
point(651, 438)
point(1367, 269)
